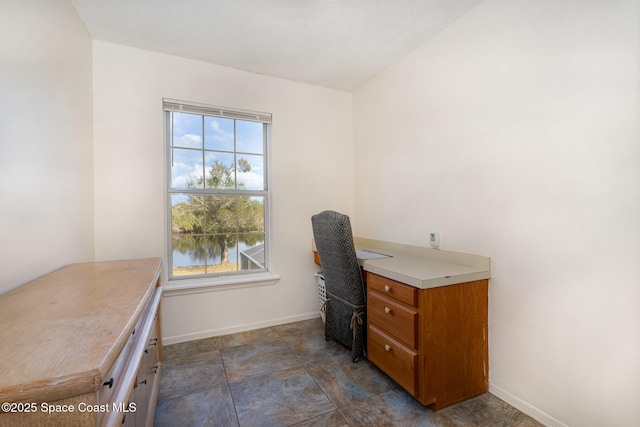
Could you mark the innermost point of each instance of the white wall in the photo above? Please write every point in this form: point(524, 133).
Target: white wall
point(46, 177)
point(312, 160)
point(515, 134)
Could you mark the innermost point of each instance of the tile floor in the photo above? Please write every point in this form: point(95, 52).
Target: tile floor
point(288, 375)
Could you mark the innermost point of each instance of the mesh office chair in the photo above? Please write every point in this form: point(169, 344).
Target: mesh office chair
point(345, 308)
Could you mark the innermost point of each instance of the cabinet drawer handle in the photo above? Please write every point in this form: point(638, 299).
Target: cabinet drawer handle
point(387, 347)
point(109, 383)
point(387, 288)
point(387, 310)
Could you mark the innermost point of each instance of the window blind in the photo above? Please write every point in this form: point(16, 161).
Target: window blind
point(207, 110)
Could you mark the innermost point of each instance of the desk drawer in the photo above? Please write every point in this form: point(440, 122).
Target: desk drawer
point(392, 289)
point(393, 318)
point(396, 360)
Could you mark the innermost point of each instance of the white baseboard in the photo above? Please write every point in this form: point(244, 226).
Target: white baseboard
point(535, 413)
point(238, 328)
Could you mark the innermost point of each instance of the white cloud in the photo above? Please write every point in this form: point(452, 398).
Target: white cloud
point(188, 140)
point(183, 173)
point(219, 134)
point(251, 180)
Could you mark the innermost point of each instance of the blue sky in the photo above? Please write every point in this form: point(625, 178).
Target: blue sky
point(217, 135)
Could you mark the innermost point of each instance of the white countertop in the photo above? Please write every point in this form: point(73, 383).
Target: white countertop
point(422, 267)
point(424, 272)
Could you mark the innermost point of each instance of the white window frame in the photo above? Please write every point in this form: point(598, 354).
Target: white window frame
point(199, 283)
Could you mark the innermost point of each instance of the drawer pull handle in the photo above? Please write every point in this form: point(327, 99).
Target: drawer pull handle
point(387, 288)
point(387, 310)
point(143, 382)
point(109, 383)
point(387, 347)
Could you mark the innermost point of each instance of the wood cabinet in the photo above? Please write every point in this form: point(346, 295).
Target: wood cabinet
point(432, 341)
point(82, 346)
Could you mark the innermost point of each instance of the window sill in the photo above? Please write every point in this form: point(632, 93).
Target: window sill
point(196, 286)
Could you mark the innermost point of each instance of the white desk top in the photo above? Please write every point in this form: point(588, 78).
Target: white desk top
point(422, 267)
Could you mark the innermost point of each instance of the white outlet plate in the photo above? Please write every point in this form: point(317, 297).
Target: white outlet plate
point(434, 240)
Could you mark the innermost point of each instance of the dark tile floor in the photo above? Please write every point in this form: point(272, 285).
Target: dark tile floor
point(288, 375)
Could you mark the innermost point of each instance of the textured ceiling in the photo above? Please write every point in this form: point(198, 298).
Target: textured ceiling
point(333, 43)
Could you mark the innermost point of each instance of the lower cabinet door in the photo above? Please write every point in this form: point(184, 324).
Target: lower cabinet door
point(392, 357)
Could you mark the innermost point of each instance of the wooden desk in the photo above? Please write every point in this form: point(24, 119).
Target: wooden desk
point(83, 342)
point(427, 320)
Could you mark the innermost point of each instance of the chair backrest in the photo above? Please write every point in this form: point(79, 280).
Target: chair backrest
point(334, 242)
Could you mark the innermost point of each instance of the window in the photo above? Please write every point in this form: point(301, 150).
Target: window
point(217, 190)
